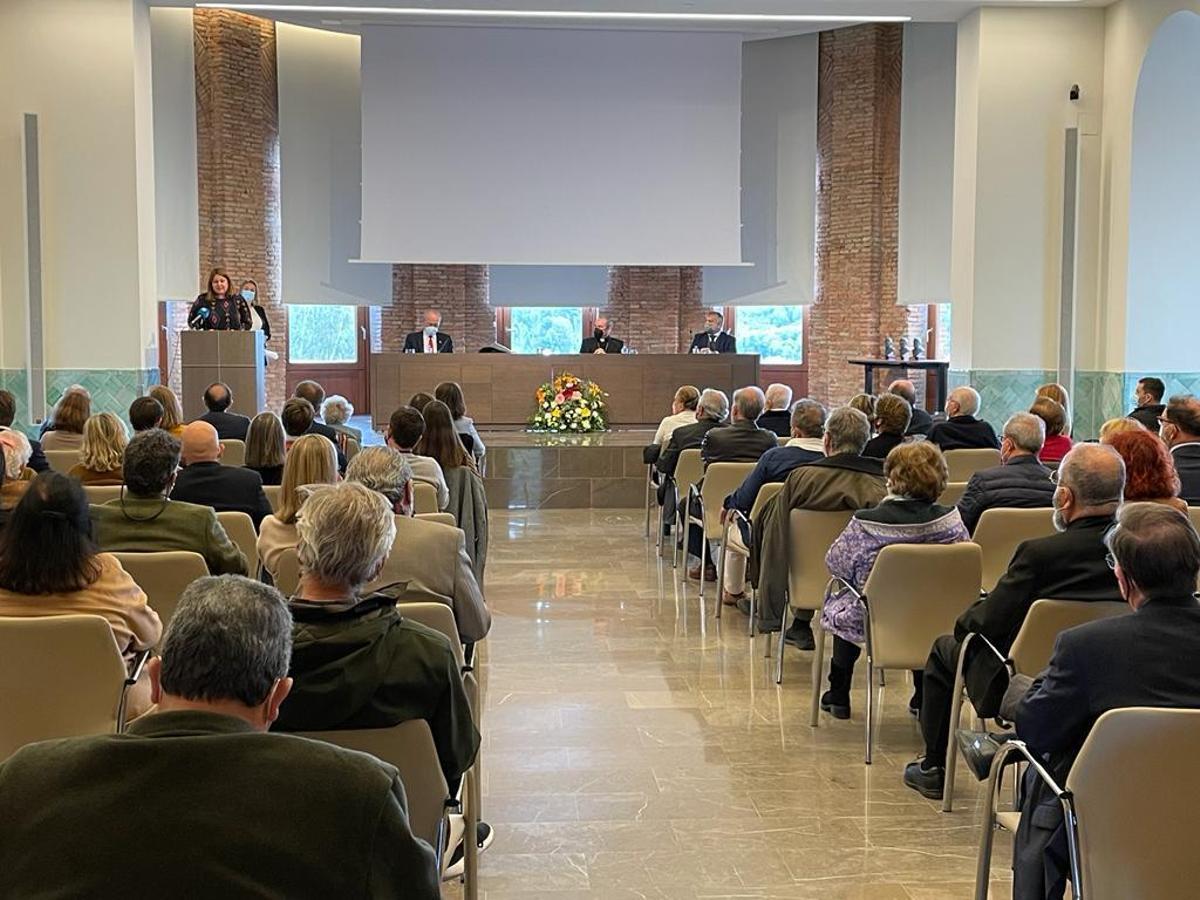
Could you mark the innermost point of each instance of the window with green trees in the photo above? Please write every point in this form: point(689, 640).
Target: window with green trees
point(775, 333)
point(540, 329)
point(322, 334)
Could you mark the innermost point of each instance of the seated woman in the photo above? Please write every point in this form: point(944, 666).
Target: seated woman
point(418, 400)
point(468, 502)
point(337, 411)
point(892, 417)
point(67, 574)
point(312, 460)
point(1057, 443)
point(1116, 426)
point(916, 476)
point(70, 415)
point(1150, 474)
point(172, 420)
point(17, 450)
point(865, 404)
point(264, 447)
point(103, 456)
point(450, 393)
point(1059, 395)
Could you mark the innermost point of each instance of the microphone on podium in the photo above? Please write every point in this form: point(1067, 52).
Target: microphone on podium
point(200, 318)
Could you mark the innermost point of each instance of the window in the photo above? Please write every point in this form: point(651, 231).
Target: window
point(538, 329)
point(943, 330)
point(322, 334)
point(775, 333)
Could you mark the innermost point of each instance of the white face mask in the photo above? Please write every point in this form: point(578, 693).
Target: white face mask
point(430, 330)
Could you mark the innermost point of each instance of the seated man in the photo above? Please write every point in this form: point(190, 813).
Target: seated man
point(205, 481)
point(428, 558)
point(236, 811)
point(711, 410)
point(1149, 406)
point(1181, 430)
point(404, 431)
point(1020, 481)
point(1069, 565)
point(297, 417)
point(683, 412)
point(315, 395)
point(8, 413)
point(430, 339)
point(844, 479)
point(600, 341)
point(144, 520)
point(961, 430)
point(776, 417)
point(230, 426)
point(714, 338)
point(806, 445)
point(145, 413)
point(922, 421)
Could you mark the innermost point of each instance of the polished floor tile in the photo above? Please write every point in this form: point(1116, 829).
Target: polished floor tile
point(636, 747)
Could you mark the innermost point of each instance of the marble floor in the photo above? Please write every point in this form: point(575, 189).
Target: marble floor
point(635, 748)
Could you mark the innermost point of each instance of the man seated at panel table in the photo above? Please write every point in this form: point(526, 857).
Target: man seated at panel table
point(962, 430)
point(1020, 481)
point(429, 339)
point(235, 811)
point(206, 481)
point(777, 416)
point(921, 420)
point(713, 339)
point(600, 341)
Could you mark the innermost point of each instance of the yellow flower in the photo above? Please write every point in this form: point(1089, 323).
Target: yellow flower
point(585, 412)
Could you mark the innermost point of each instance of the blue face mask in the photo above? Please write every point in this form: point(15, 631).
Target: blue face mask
point(248, 295)
point(430, 330)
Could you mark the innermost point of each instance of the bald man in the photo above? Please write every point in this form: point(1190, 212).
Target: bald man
point(921, 421)
point(204, 480)
point(430, 338)
point(962, 430)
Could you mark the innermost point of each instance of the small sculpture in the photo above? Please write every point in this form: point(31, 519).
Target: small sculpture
point(889, 348)
point(903, 349)
point(918, 349)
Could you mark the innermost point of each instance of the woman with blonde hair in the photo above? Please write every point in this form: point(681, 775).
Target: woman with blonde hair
point(865, 404)
point(311, 460)
point(102, 459)
point(172, 420)
point(70, 414)
point(1118, 425)
point(265, 448)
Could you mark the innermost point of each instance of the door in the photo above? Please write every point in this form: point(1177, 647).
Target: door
point(330, 345)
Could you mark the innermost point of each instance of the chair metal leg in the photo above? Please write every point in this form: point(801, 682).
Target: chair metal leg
point(818, 670)
point(470, 845)
point(956, 703)
point(662, 523)
point(649, 496)
point(983, 869)
point(686, 524)
point(753, 612)
point(721, 570)
point(783, 627)
point(870, 706)
point(703, 550)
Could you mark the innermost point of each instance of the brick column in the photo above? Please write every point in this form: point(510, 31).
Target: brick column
point(858, 190)
point(237, 143)
point(460, 293)
point(655, 309)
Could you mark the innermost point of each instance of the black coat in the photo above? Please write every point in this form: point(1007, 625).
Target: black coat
point(1149, 658)
point(963, 433)
point(231, 313)
point(37, 458)
point(1148, 415)
point(415, 341)
point(720, 343)
point(688, 437)
point(778, 421)
point(1187, 464)
point(224, 488)
point(230, 426)
point(921, 422)
point(740, 442)
point(1022, 483)
point(608, 344)
point(881, 445)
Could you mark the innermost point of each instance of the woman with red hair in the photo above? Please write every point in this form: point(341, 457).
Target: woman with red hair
point(1149, 472)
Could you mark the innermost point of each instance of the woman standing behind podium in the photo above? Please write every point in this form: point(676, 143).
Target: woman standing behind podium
point(219, 310)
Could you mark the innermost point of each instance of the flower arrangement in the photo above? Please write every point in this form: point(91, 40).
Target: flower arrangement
point(570, 405)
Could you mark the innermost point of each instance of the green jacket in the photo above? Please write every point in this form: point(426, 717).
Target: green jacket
point(144, 525)
point(359, 664)
point(195, 804)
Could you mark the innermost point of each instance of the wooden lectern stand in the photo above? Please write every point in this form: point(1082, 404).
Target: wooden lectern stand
point(234, 357)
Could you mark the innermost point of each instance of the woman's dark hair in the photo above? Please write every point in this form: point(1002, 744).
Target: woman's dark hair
point(419, 400)
point(72, 412)
point(440, 440)
point(450, 393)
point(46, 547)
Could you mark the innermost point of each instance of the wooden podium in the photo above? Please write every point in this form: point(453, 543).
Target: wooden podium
point(234, 357)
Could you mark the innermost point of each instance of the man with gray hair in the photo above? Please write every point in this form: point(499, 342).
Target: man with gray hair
point(1180, 428)
point(1020, 481)
point(777, 417)
point(961, 430)
point(428, 560)
point(844, 479)
point(711, 410)
point(236, 810)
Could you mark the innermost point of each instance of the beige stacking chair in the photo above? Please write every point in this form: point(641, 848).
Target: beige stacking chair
point(163, 576)
point(60, 676)
point(287, 573)
point(720, 480)
point(235, 453)
point(1029, 655)
point(965, 463)
point(782, 441)
point(63, 460)
point(1001, 531)
point(240, 528)
point(442, 518)
point(689, 469)
point(952, 493)
point(425, 499)
point(765, 494)
point(98, 494)
point(272, 491)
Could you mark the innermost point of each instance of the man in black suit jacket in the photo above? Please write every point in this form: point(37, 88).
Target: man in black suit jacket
point(205, 481)
point(712, 339)
point(315, 395)
point(777, 417)
point(921, 420)
point(961, 430)
point(1069, 565)
point(600, 342)
point(1020, 481)
point(230, 426)
point(429, 339)
point(1150, 658)
point(1181, 431)
point(1148, 397)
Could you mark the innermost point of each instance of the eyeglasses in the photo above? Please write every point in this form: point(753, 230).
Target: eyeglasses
point(1110, 560)
point(1054, 477)
point(1163, 420)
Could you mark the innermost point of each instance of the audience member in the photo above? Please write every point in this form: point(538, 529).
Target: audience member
point(48, 423)
point(337, 412)
point(1149, 472)
point(1056, 444)
point(235, 812)
point(205, 481)
point(230, 426)
point(777, 416)
point(916, 475)
point(297, 418)
point(451, 393)
point(683, 412)
point(8, 414)
point(1066, 565)
point(1020, 481)
point(962, 430)
point(892, 417)
point(1059, 395)
point(315, 395)
point(844, 479)
point(419, 399)
point(440, 441)
point(711, 410)
point(103, 453)
point(404, 434)
point(145, 413)
point(172, 420)
point(311, 461)
point(70, 415)
point(1148, 405)
point(468, 500)
point(1181, 430)
point(865, 404)
point(265, 448)
point(428, 560)
point(17, 450)
point(1117, 425)
point(922, 421)
point(143, 519)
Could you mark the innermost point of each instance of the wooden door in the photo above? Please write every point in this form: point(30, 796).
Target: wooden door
point(349, 378)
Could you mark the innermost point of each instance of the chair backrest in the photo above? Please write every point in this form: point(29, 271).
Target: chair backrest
point(437, 616)
point(765, 494)
point(235, 452)
point(425, 499)
point(353, 448)
point(689, 469)
point(272, 491)
point(720, 480)
point(1135, 830)
point(240, 528)
point(409, 747)
point(952, 493)
point(442, 518)
point(98, 494)
point(914, 594)
point(163, 576)
point(287, 572)
point(60, 676)
point(1000, 531)
point(965, 463)
point(1194, 515)
point(1046, 620)
point(812, 531)
point(782, 440)
point(63, 460)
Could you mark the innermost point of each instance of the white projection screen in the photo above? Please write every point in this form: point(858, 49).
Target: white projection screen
point(550, 146)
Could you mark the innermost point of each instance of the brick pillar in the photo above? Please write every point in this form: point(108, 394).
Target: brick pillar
point(237, 143)
point(858, 192)
point(459, 293)
point(654, 308)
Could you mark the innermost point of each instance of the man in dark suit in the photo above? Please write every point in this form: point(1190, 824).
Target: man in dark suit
point(600, 342)
point(204, 481)
point(711, 410)
point(236, 810)
point(1148, 405)
point(429, 339)
point(1069, 565)
point(961, 430)
point(713, 339)
point(1020, 481)
point(8, 413)
point(921, 420)
point(1181, 431)
point(777, 417)
point(315, 395)
point(230, 426)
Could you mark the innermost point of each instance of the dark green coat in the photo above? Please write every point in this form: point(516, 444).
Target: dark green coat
point(142, 525)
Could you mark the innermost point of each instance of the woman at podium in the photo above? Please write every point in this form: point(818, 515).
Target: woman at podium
point(217, 309)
